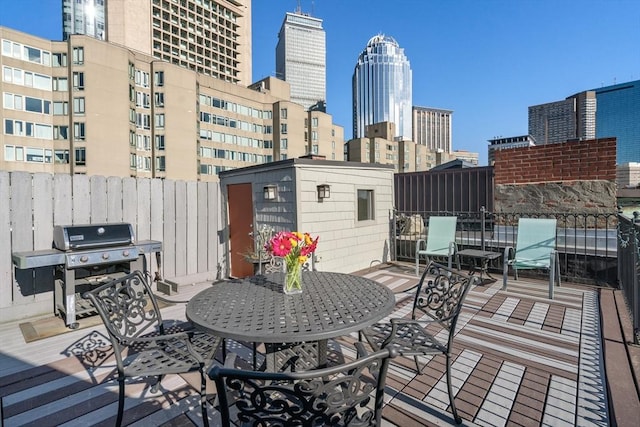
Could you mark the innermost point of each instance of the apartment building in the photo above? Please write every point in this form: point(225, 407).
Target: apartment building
point(88, 106)
point(211, 37)
point(560, 121)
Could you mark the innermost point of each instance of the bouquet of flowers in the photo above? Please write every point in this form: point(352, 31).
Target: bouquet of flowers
point(294, 248)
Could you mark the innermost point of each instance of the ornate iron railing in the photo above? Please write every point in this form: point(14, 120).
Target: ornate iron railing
point(629, 266)
point(586, 242)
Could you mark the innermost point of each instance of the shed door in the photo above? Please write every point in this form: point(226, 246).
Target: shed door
point(240, 228)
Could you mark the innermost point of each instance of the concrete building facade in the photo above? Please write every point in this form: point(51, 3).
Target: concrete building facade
point(561, 121)
point(211, 37)
point(301, 58)
point(86, 106)
point(432, 128)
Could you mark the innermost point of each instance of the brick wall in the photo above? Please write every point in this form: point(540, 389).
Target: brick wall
point(569, 161)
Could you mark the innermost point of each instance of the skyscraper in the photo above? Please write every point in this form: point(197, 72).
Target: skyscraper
point(84, 17)
point(301, 58)
point(382, 87)
point(432, 128)
point(211, 37)
point(560, 121)
point(619, 115)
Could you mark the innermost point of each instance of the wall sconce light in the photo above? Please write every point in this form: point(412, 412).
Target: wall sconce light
point(324, 191)
point(270, 192)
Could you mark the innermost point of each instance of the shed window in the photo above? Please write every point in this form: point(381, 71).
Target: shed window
point(365, 205)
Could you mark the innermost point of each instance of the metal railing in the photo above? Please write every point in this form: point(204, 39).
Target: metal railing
point(629, 266)
point(586, 242)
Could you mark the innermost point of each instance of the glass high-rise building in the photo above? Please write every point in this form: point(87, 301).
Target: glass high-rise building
point(211, 37)
point(618, 115)
point(85, 17)
point(301, 58)
point(382, 87)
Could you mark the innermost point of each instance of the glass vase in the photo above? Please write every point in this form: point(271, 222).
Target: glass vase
point(293, 278)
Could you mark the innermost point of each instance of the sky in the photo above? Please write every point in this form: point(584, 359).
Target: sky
point(487, 60)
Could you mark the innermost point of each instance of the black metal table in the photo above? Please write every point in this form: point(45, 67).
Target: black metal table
point(483, 257)
point(293, 327)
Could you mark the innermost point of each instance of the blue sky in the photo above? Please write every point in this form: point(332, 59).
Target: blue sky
point(487, 60)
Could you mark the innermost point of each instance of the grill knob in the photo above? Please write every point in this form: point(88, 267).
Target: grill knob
point(105, 255)
point(125, 253)
point(84, 258)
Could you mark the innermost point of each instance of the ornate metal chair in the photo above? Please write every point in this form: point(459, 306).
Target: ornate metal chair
point(130, 313)
point(337, 396)
point(439, 300)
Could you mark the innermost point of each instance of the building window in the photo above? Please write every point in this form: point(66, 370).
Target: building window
point(78, 80)
point(159, 120)
point(78, 131)
point(78, 105)
point(160, 163)
point(365, 205)
point(61, 156)
point(60, 84)
point(283, 113)
point(159, 98)
point(283, 128)
point(59, 60)
point(314, 122)
point(78, 55)
point(314, 149)
point(284, 143)
point(81, 157)
point(159, 142)
point(61, 132)
point(314, 135)
point(158, 78)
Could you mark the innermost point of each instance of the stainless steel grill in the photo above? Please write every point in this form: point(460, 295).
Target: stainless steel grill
point(84, 256)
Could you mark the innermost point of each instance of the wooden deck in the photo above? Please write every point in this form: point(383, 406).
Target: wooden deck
point(521, 359)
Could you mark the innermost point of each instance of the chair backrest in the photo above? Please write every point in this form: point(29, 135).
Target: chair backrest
point(127, 307)
point(442, 296)
point(337, 396)
point(442, 231)
point(276, 264)
point(535, 242)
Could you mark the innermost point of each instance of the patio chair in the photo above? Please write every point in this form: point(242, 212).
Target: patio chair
point(130, 313)
point(438, 300)
point(338, 396)
point(441, 240)
point(535, 249)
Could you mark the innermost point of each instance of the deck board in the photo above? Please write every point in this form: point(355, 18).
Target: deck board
point(519, 359)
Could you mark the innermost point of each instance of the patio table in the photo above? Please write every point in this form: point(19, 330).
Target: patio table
point(294, 328)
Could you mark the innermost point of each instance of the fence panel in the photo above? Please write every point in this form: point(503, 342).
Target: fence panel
point(629, 268)
point(184, 216)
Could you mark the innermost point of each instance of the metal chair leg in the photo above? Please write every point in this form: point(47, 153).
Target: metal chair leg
point(203, 398)
point(120, 402)
point(452, 402)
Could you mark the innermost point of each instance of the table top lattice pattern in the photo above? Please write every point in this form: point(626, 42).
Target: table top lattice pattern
point(256, 309)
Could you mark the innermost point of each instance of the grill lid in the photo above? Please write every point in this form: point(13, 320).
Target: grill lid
point(88, 236)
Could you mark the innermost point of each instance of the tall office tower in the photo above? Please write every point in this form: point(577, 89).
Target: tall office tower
point(382, 87)
point(83, 17)
point(301, 58)
point(211, 37)
point(432, 128)
point(560, 121)
point(619, 115)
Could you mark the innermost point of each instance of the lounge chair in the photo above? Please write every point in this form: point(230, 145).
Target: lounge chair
point(441, 240)
point(535, 249)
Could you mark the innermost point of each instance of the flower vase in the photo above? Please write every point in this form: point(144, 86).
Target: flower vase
point(293, 278)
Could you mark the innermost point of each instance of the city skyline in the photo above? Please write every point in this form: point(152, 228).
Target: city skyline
point(486, 61)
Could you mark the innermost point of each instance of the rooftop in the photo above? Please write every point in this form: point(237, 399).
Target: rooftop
point(520, 359)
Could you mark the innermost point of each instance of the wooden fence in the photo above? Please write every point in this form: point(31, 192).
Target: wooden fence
point(184, 216)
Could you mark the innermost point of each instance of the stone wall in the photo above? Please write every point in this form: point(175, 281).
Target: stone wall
point(575, 176)
point(596, 196)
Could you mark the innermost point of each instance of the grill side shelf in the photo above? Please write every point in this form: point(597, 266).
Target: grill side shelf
point(34, 259)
